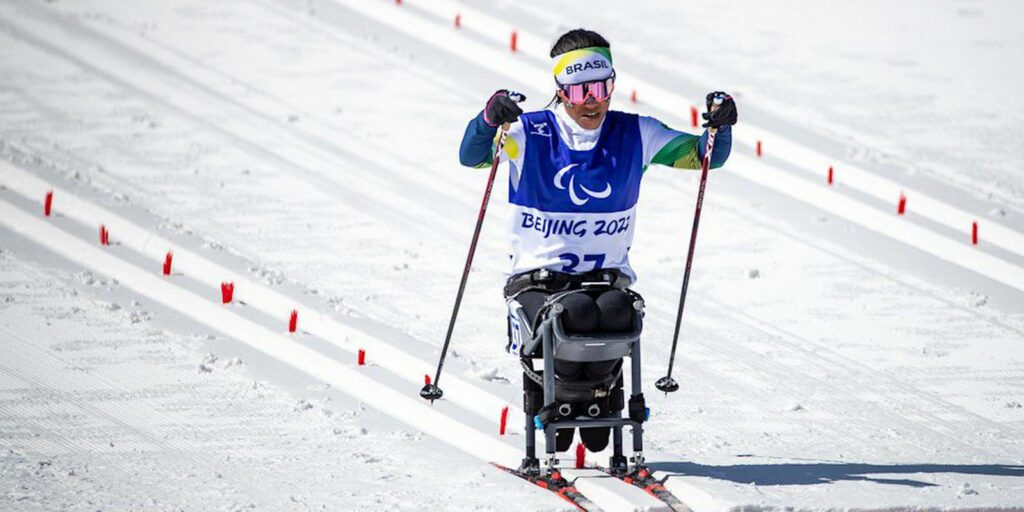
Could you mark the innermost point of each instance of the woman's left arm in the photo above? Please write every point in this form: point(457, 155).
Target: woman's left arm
point(665, 146)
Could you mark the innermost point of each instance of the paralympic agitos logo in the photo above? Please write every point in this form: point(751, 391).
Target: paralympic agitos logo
point(571, 187)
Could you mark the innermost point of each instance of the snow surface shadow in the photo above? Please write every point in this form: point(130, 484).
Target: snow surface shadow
point(810, 474)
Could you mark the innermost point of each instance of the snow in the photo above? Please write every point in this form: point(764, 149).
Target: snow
point(834, 355)
point(101, 413)
point(920, 90)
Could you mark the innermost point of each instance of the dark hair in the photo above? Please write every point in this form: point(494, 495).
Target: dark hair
point(576, 39)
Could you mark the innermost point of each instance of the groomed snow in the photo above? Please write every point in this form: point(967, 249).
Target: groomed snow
point(834, 356)
point(102, 409)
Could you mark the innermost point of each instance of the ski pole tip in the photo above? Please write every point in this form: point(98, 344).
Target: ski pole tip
point(431, 392)
point(667, 385)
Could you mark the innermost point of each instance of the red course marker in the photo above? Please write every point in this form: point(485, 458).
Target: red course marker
point(48, 203)
point(901, 208)
point(974, 233)
point(458, 21)
point(104, 235)
point(293, 322)
point(361, 358)
point(693, 116)
point(759, 153)
point(227, 291)
point(581, 455)
point(830, 175)
point(504, 421)
point(167, 263)
point(513, 41)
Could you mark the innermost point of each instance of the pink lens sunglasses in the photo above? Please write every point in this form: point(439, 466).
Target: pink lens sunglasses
point(600, 90)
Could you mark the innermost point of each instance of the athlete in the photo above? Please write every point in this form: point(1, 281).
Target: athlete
point(574, 178)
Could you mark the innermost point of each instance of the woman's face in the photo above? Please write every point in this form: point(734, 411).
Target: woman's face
point(588, 115)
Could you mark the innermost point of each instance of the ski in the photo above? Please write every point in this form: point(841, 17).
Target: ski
point(643, 479)
point(556, 484)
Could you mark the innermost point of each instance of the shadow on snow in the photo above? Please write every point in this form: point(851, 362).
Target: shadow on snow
point(820, 473)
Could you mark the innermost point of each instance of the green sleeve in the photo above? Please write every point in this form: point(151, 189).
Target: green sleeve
point(680, 152)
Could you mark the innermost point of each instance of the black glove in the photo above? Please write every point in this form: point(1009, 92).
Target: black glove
point(725, 114)
point(502, 108)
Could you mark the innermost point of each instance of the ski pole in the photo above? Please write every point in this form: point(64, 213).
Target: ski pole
point(667, 384)
point(432, 391)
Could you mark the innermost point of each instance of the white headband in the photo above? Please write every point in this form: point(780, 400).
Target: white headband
point(583, 65)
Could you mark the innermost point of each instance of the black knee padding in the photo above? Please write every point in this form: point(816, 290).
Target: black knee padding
point(616, 400)
point(568, 370)
point(616, 307)
point(581, 313)
point(598, 370)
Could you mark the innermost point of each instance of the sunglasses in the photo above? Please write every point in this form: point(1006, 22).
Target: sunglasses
point(600, 90)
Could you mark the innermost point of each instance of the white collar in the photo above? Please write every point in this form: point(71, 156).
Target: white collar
point(574, 135)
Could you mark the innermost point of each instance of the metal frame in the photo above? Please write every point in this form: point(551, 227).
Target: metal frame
point(556, 344)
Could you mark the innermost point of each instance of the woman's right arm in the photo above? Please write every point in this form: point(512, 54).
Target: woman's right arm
point(477, 148)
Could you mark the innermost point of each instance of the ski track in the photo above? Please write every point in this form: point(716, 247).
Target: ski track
point(404, 408)
point(857, 377)
point(121, 414)
point(154, 247)
point(133, 412)
point(860, 376)
point(259, 296)
point(609, 494)
point(711, 339)
point(792, 378)
point(122, 48)
point(852, 384)
point(611, 498)
point(307, 163)
point(866, 377)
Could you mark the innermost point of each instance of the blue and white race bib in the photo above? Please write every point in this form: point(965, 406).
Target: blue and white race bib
point(574, 211)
